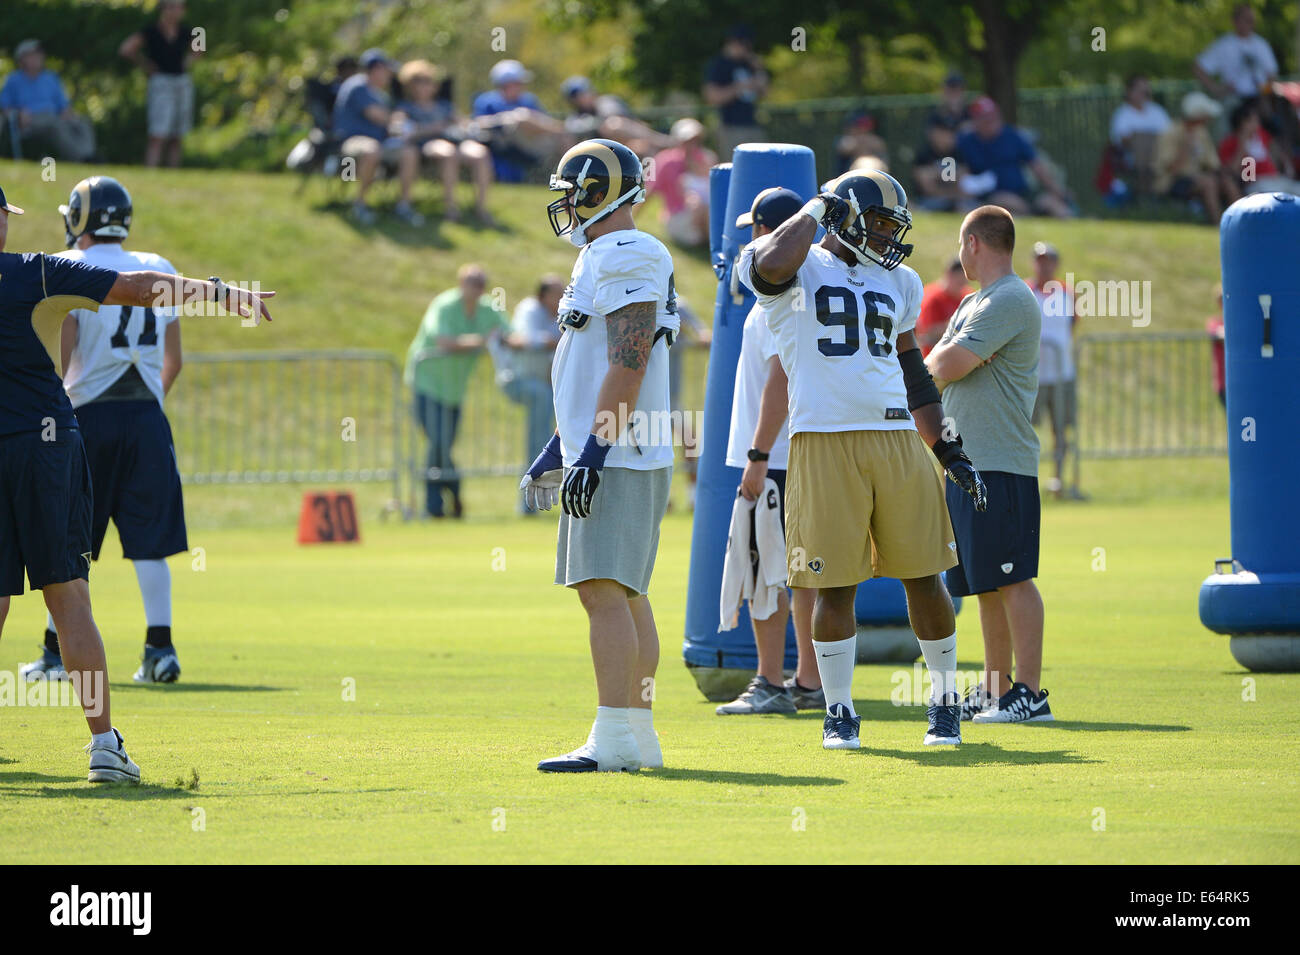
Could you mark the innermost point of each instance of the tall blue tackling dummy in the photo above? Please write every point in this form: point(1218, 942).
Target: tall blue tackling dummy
point(1254, 596)
point(722, 663)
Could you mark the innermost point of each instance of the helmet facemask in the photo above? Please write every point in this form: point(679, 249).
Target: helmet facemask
point(863, 230)
point(576, 195)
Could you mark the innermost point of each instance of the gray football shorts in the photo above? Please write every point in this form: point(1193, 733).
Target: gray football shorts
point(621, 537)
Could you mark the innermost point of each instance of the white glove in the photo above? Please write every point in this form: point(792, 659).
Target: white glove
point(543, 493)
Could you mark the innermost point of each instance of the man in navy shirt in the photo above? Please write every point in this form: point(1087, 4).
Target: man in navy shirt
point(1001, 152)
point(45, 491)
point(734, 82)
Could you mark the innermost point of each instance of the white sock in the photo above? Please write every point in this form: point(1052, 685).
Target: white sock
point(156, 590)
point(941, 661)
point(641, 719)
point(49, 622)
point(104, 740)
point(610, 721)
point(835, 661)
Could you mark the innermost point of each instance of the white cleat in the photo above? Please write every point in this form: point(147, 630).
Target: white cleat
point(613, 754)
point(112, 765)
point(48, 667)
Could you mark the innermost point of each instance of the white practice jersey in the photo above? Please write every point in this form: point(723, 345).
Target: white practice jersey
point(757, 346)
point(116, 337)
point(836, 331)
point(614, 270)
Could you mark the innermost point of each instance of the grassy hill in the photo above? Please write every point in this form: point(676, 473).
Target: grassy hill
point(343, 286)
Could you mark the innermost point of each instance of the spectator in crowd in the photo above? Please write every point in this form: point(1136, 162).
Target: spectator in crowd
point(734, 82)
point(938, 170)
point(1186, 164)
point(1240, 63)
point(605, 116)
point(993, 147)
point(952, 113)
point(164, 50)
point(1214, 328)
point(859, 139)
point(523, 361)
point(938, 301)
point(1056, 390)
point(522, 132)
point(430, 125)
point(1135, 126)
point(34, 97)
point(1250, 154)
point(363, 113)
point(681, 175)
point(456, 329)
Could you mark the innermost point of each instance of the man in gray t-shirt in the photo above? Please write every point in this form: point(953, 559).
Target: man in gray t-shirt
point(987, 364)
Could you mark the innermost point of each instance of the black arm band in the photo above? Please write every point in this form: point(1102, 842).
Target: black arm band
point(763, 285)
point(921, 390)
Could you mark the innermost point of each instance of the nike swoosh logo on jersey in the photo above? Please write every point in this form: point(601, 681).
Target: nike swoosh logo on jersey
point(629, 291)
point(629, 242)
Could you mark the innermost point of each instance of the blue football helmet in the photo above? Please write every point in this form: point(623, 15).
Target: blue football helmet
point(878, 217)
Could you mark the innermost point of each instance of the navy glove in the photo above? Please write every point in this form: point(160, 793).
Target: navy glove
point(962, 471)
point(836, 214)
point(581, 480)
point(541, 483)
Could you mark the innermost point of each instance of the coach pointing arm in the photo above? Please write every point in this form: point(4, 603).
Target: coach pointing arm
point(149, 289)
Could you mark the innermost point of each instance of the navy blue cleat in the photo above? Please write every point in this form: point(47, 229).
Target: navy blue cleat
point(945, 722)
point(158, 665)
point(839, 729)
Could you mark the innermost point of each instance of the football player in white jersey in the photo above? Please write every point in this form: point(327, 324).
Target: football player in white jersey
point(610, 460)
point(863, 498)
point(760, 444)
point(119, 363)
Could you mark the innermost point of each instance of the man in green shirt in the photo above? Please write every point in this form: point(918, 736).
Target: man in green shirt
point(455, 331)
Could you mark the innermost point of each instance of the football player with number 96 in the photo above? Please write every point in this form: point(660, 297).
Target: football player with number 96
point(863, 498)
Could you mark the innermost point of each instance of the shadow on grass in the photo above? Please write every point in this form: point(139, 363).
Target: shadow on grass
point(39, 786)
point(395, 230)
point(730, 778)
point(977, 754)
point(182, 687)
point(1093, 727)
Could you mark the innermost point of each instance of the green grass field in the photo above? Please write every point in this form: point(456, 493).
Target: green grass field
point(465, 675)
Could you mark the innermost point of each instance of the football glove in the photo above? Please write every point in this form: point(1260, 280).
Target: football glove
point(541, 483)
point(836, 214)
point(581, 480)
point(962, 471)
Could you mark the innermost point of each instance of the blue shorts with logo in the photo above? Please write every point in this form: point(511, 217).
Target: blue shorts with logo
point(999, 546)
point(45, 509)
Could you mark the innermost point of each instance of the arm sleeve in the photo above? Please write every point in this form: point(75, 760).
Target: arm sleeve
point(69, 277)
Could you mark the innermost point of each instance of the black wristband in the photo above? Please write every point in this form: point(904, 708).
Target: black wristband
point(756, 455)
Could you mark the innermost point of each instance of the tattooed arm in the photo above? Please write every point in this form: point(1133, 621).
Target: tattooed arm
point(631, 332)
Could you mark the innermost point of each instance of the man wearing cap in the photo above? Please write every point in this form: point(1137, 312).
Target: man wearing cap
point(45, 493)
point(1186, 163)
point(34, 96)
point(523, 130)
point(987, 364)
point(1056, 392)
point(991, 147)
point(363, 113)
point(681, 175)
point(734, 83)
point(759, 443)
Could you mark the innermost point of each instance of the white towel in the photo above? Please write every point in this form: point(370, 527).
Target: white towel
point(740, 581)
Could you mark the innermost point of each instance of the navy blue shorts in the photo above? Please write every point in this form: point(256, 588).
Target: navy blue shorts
point(45, 507)
point(133, 467)
point(999, 546)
